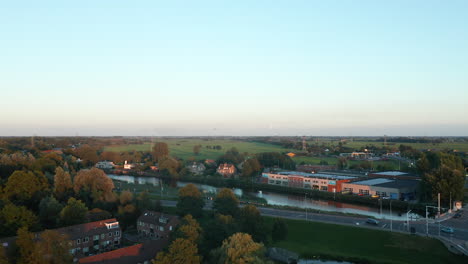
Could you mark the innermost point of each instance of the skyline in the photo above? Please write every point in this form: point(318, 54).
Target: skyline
point(243, 68)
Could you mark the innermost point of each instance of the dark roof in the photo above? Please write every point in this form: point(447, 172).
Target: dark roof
point(158, 218)
point(128, 255)
point(399, 184)
point(88, 229)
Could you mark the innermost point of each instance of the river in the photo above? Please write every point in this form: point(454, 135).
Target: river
point(285, 199)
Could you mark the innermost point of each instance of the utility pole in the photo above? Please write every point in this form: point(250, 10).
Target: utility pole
point(450, 206)
point(438, 205)
point(391, 216)
point(305, 201)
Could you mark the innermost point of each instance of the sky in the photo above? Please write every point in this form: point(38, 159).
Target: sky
point(239, 68)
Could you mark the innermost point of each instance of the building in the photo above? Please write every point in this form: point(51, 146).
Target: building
point(394, 175)
point(316, 181)
point(291, 154)
point(315, 168)
point(382, 187)
point(196, 168)
point(357, 155)
point(93, 237)
point(129, 166)
point(105, 165)
point(86, 239)
point(137, 254)
point(227, 170)
point(156, 225)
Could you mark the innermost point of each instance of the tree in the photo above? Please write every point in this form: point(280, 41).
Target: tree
point(251, 222)
point(74, 213)
point(25, 244)
point(226, 202)
point(446, 181)
point(273, 159)
point(96, 182)
point(169, 165)
point(342, 163)
point(22, 187)
point(280, 230)
point(251, 168)
point(49, 211)
point(181, 251)
point(145, 203)
point(88, 154)
point(62, 183)
point(190, 201)
point(125, 197)
point(160, 150)
point(196, 149)
point(189, 229)
point(217, 230)
point(52, 248)
point(239, 249)
point(3, 257)
point(14, 217)
point(231, 156)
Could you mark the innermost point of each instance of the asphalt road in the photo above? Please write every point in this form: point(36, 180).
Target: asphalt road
point(460, 225)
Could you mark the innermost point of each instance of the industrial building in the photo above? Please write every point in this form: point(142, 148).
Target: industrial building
point(383, 187)
point(316, 181)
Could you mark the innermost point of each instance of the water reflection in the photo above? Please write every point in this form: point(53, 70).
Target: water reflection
point(281, 199)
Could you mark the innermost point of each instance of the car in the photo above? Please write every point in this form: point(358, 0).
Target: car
point(372, 221)
point(448, 230)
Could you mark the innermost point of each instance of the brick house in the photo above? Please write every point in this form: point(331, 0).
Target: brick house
point(227, 170)
point(156, 225)
point(94, 237)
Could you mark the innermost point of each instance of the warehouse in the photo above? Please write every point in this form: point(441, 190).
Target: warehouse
point(381, 187)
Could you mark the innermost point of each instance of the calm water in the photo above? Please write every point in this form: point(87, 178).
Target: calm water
point(284, 199)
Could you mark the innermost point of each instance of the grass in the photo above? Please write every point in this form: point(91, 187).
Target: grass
point(183, 148)
point(357, 144)
point(311, 239)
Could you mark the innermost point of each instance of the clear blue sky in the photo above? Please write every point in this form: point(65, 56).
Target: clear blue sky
point(234, 67)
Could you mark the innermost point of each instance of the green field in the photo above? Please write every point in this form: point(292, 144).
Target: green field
point(183, 148)
point(311, 239)
point(357, 144)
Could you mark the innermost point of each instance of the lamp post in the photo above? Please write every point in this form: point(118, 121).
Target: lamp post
point(305, 202)
point(391, 216)
point(407, 219)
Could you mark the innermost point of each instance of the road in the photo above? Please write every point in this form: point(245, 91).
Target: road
point(460, 224)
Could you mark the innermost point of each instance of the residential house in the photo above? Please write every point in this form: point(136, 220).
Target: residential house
point(105, 165)
point(129, 166)
point(196, 168)
point(227, 170)
point(156, 225)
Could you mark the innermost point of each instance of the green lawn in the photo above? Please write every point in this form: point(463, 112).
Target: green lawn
point(318, 239)
point(183, 148)
point(357, 144)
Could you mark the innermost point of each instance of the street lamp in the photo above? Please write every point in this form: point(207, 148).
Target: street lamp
point(391, 216)
point(407, 219)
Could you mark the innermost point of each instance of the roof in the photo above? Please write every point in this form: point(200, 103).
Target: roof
point(390, 173)
point(399, 184)
point(89, 229)
point(373, 182)
point(133, 254)
point(155, 217)
point(315, 175)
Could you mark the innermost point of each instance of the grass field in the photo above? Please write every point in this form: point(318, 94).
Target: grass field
point(311, 239)
point(183, 148)
point(357, 144)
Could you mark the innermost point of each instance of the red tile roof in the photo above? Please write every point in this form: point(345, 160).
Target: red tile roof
point(115, 254)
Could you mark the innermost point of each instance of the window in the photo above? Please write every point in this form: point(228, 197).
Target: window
point(96, 247)
point(117, 233)
point(272, 181)
point(78, 241)
point(151, 226)
point(85, 250)
point(96, 237)
point(86, 239)
point(161, 228)
point(170, 228)
point(110, 234)
point(384, 194)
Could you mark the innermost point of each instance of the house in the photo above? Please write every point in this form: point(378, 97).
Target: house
point(137, 254)
point(227, 170)
point(291, 155)
point(94, 237)
point(156, 225)
point(154, 167)
point(105, 165)
point(129, 166)
point(85, 239)
point(210, 162)
point(196, 168)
